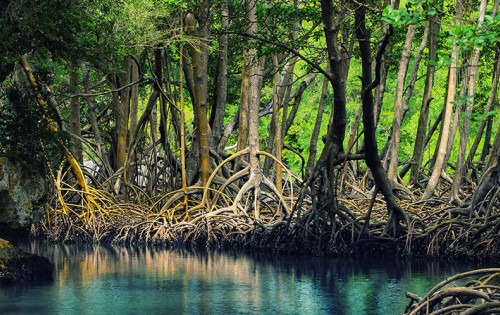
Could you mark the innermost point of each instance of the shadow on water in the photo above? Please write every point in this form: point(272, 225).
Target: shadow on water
point(119, 280)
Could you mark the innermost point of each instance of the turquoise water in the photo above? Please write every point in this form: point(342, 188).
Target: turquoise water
point(117, 280)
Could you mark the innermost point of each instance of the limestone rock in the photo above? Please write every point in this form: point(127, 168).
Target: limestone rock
point(22, 195)
point(17, 266)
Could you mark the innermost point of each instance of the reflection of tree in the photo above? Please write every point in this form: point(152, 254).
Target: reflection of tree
point(203, 282)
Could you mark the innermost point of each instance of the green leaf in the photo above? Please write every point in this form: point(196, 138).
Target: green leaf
point(491, 113)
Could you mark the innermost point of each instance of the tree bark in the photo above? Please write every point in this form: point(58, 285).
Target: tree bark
point(495, 151)
point(134, 97)
point(253, 72)
point(75, 123)
point(396, 213)
point(123, 113)
point(313, 147)
point(199, 55)
point(220, 88)
point(73, 163)
point(276, 123)
point(243, 111)
point(398, 105)
point(448, 111)
point(90, 105)
point(418, 150)
point(336, 128)
point(464, 132)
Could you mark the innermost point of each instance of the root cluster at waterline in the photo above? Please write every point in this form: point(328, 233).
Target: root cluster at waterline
point(219, 214)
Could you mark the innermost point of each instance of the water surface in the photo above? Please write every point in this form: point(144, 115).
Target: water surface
point(118, 280)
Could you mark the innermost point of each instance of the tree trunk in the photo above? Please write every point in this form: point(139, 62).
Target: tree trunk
point(199, 55)
point(75, 125)
point(91, 108)
point(491, 177)
point(398, 105)
point(220, 88)
point(464, 132)
point(288, 121)
point(123, 113)
point(73, 163)
point(396, 213)
point(448, 111)
point(158, 67)
point(276, 123)
point(253, 72)
point(418, 150)
point(134, 97)
point(336, 128)
point(495, 151)
point(243, 110)
point(313, 146)
point(386, 62)
point(414, 71)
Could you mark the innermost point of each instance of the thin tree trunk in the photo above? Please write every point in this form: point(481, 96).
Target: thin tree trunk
point(418, 150)
point(288, 121)
point(158, 73)
point(487, 140)
point(448, 111)
point(284, 94)
point(414, 71)
point(90, 105)
point(173, 109)
point(398, 105)
point(495, 151)
point(220, 89)
point(396, 213)
point(276, 123)
point(455, 123)
point(42, 103)
point(122, 117)
point(386, 62)
point(75, 124)
point(134, 97)
point(243, 111)
point(313, 146)
point(253, 72)
point(199, 56)
point(411, 86)
point(460, 168)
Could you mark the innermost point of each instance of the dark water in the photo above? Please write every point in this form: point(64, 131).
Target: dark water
point(116, 280)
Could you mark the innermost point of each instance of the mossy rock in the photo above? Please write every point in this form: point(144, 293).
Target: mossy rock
point(17, 266)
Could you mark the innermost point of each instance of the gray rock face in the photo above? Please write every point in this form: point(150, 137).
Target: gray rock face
point(22, 195)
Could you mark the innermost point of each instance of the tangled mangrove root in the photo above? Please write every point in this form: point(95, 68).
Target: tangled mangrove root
point(476, 296)
point(223, 213)
point(218, 213)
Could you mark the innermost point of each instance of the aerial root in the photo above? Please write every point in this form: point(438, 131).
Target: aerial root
point(240, 209)
point(213, 214)
point(477, 296)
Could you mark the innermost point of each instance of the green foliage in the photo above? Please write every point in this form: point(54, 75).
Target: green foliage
point(24, 134)
point(414, 12)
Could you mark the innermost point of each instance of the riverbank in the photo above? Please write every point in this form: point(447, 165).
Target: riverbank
point(436, 229)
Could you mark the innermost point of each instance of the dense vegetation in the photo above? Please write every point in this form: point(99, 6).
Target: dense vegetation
point(331, 126)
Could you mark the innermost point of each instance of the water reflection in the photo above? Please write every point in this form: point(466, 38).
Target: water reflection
point(118, 280)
